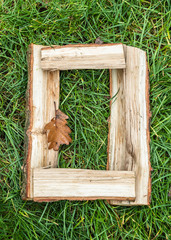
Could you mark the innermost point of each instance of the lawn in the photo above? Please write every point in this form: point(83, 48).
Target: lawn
point(85, 99)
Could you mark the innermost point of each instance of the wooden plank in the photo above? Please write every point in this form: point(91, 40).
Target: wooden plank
point(129, 124)
point(83, 184)
point(52, 95)
point(43, 90)
point(83, 57)
point(117, 156)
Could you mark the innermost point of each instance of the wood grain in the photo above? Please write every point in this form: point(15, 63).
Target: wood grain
point(129, 129)
point(43, 90)
point(128, 182)
point(83, 183)
point(83, 57)
point(53, 92)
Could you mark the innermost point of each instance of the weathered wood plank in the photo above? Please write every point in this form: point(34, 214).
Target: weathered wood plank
point(83, 57)
point(43, 90)
point(83, 183)
point(129, 124)
point(52, 95)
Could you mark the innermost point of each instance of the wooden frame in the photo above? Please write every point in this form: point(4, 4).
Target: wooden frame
point(128, 181)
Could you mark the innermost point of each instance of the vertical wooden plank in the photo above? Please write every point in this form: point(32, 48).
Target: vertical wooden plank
point(53, 89)
point(43, 90)
point(38, 113)
point(117, 133)
point(129, 132)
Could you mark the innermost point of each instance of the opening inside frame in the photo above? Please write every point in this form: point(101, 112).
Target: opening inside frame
point(85, 98)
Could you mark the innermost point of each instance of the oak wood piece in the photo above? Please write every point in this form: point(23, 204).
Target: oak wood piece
point(83, 57)
point(128, 148)
point(42, 91)
point(82, 183)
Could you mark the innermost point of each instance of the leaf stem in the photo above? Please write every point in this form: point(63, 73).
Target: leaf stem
point(55, 109)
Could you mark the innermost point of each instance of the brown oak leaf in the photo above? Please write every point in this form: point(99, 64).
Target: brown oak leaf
point(58, 131)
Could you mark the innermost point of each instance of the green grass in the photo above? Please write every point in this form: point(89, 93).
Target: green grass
point(85, 98)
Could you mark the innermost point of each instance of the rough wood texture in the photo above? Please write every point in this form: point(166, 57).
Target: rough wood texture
point(83, 57)
point(128, 141)
point(53, 92)
point(83, 183)
point(43, 90)
point(129, 124)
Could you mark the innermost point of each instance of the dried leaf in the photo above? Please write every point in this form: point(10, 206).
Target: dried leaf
point(49, 125)
point(58, 131)
point(61, 115)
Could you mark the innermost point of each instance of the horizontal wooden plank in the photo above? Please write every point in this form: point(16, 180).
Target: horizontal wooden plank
point(83, 57)
point(83, 183)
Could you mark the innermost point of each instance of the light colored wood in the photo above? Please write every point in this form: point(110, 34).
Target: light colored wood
point(128, 148)
point(117, 156)
point(69, 183)
point(43, 88)
point(83, 57)
point(52, 95)
point(129, 129)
